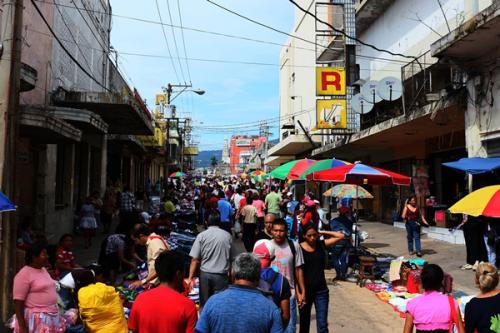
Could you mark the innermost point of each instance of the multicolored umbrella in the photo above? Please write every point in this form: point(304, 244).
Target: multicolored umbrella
point(360, 174)
point(292, 170)
point(348, 191)
point(5, 204)
point(177, 174)
point(485, 202)
point(323, 165)
point(257, 173)
point(260, 178)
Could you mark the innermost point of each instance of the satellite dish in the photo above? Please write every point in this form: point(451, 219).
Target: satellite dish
point(359, 105)
point(389, 88)
point(369, 92)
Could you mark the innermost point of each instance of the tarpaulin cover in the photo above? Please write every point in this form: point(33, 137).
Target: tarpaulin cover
point(475, 165)
point(101, 309)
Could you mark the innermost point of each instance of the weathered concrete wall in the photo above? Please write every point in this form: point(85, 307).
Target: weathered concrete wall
point(482, 119)
point(299, 81)
point(85, 34)
point(37, 50)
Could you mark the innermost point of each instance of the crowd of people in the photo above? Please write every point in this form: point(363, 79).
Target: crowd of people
point(271, 286)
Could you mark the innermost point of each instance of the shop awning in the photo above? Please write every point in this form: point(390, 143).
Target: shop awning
point(475, 165)
point(122, 113)
point(42, 127)
point(293, 145)
point(84, 120)
point(129, 141)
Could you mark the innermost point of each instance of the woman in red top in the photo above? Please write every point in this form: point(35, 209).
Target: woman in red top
point(310, 215)
point(65, 259)
point(413, 217)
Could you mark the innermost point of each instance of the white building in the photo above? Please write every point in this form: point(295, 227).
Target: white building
point(448, 106)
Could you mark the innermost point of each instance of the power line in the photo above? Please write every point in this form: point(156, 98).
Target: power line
point(64, 48)
point(72, 37)
point(166, 41)
point(259, 122)
point(305, 40)
point(352, 37)
point(224, 34)
point(183, 41)
point(175, 40)
point(222, 61)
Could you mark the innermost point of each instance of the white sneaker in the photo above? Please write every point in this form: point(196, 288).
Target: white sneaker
point(466, 267)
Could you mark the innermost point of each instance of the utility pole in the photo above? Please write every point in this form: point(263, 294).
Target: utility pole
point(10, 73)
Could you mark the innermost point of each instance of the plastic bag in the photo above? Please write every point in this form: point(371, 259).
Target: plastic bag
point(237, 227)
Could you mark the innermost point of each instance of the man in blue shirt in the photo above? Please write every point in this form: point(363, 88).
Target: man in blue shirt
point(242, 307)
point(226, 212)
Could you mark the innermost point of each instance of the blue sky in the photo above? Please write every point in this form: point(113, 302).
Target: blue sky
point(235, 93)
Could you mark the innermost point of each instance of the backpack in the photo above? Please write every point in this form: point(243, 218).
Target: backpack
point(267, 285)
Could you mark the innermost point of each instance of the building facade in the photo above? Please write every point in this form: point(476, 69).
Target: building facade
point(241, 148)
point(443, 113)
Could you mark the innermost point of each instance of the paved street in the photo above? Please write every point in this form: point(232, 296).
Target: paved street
point(354, 309)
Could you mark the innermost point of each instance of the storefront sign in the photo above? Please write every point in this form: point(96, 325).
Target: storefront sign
point(331, 113)
point(243, 142)
point(330, 81)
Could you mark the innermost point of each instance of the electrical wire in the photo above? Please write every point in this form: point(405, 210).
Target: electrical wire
point(183, 40)
point(64, 48)
point(72, 36)
point(175, 40)
point(305, 40)
point(351, 37)
point(166, 41)
point(224, 34)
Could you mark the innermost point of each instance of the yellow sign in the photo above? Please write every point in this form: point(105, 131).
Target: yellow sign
point(160, 98)
point(155, 141)
point(191, 151)
point(331, 113)
point(330, 81)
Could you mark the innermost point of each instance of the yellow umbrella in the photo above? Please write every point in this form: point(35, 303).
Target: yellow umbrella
point(348, 191)
point(485, 202)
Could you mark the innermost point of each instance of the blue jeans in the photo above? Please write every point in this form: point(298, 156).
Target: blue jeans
point(293, 316)
point(339, 262)
point(320, 300)
point(492, 255)
point(413, 233)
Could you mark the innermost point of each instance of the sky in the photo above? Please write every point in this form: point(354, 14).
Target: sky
point(235, 93)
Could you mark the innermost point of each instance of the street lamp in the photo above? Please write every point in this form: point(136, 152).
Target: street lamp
point(185, 87)
point(168, 91)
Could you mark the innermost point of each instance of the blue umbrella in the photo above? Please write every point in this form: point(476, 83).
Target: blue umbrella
point(5, 204)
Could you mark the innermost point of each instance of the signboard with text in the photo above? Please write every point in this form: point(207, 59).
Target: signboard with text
point(330, 81)
point(243, 143)
point(331, 113)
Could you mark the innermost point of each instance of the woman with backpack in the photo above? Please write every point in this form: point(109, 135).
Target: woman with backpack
point(314, 252)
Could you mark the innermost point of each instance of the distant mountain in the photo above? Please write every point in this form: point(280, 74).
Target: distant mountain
point(204, 157)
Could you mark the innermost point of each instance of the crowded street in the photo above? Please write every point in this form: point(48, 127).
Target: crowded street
point(218, 166)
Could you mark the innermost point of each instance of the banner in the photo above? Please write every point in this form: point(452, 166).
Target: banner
point(331, 113)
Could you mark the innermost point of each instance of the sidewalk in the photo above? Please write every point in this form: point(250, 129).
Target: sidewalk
point(385, 238)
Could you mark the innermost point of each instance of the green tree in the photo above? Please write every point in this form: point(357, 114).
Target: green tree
point(213, 161)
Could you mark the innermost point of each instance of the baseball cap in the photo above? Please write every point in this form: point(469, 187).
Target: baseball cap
point(344, 210)
point(309, 203)
point(264, 250)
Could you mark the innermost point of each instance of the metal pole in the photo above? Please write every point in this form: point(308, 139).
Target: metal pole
point(10, 72)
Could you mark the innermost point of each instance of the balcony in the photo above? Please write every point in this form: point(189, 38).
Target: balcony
point(425, 81)
point(369, 11)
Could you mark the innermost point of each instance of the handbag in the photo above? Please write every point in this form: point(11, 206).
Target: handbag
point(454, 316)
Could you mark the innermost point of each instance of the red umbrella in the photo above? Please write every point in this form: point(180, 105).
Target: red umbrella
point(360, 174)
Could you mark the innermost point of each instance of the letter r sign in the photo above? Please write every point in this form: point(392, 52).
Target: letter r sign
point(330, 81)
